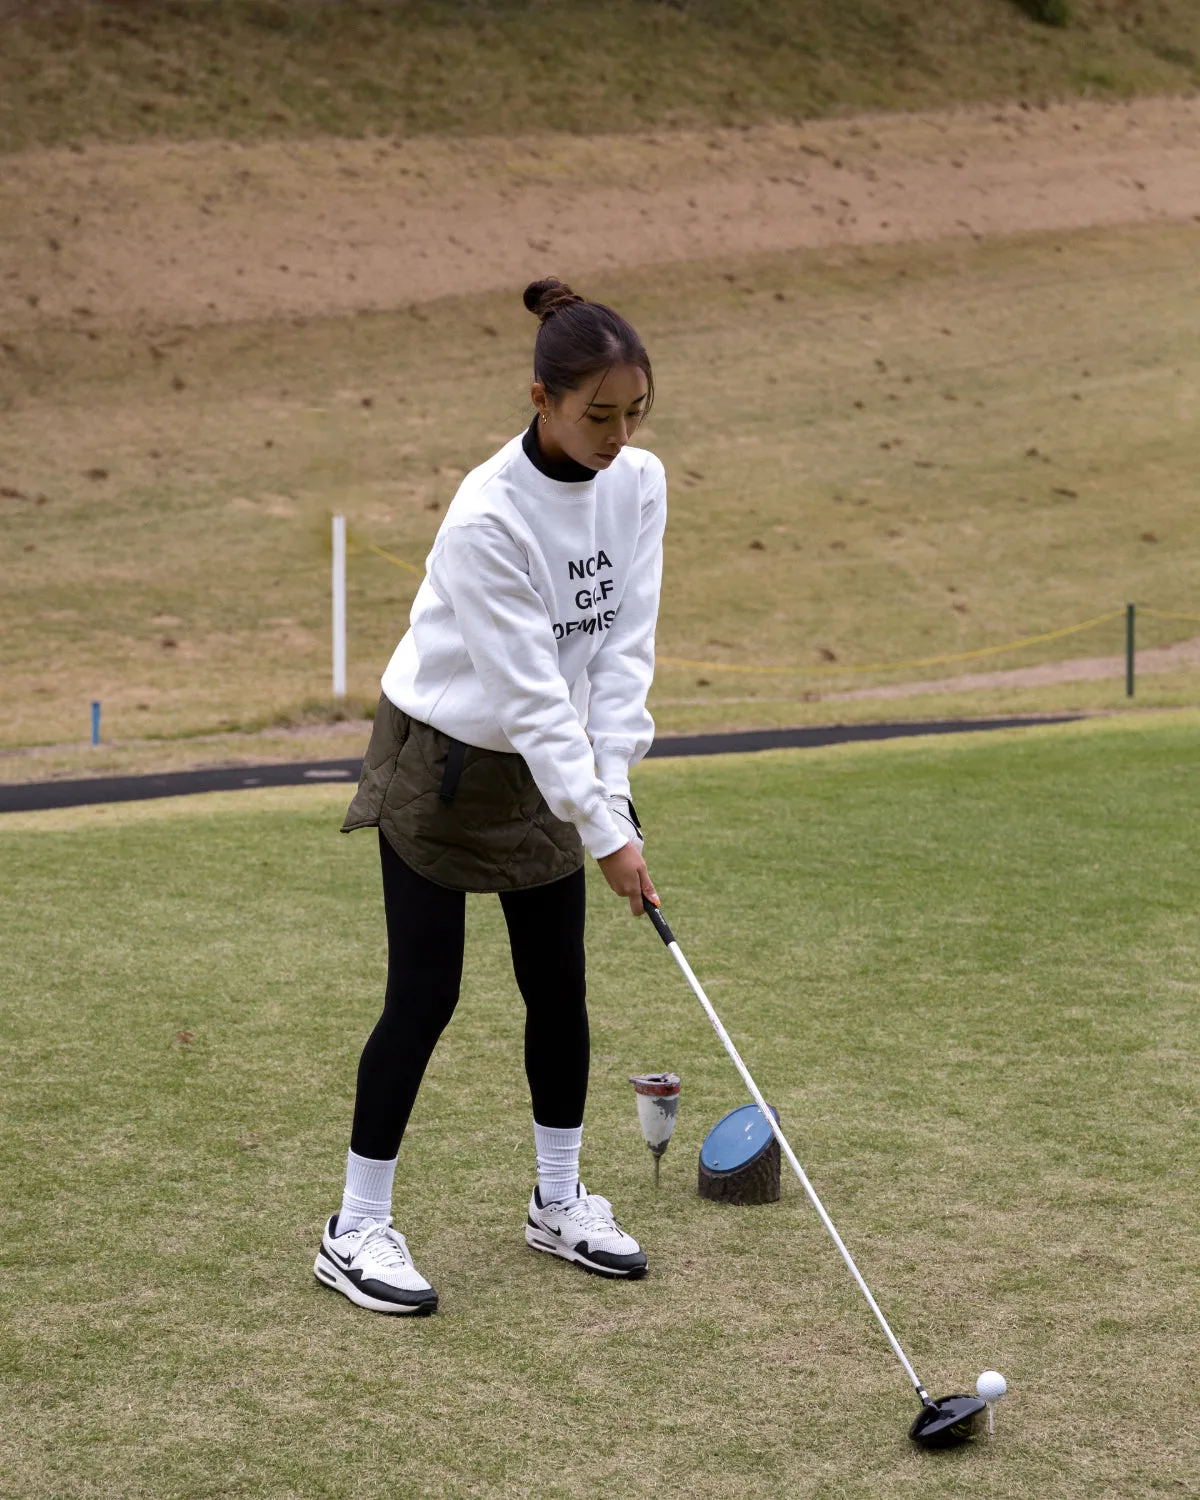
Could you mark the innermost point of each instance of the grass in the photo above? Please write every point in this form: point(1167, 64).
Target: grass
point(964, 971)
point(877, 454)
point(73, 73)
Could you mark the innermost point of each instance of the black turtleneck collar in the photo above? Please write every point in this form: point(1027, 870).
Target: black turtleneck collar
point(566, 470)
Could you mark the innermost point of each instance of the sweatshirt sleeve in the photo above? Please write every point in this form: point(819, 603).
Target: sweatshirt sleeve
point(510, 640)
point(622, 670)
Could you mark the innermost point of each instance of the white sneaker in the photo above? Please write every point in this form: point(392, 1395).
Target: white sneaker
point(583, 1229)
point(371, 1265)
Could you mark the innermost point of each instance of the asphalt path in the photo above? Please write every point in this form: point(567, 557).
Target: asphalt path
point(33, 796)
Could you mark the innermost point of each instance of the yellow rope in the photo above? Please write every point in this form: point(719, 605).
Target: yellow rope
point(922, 661)
point(876, 666)
point(399, 561)
point(1166, 614)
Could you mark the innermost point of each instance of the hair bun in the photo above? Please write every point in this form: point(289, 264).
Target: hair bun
point(545, 298)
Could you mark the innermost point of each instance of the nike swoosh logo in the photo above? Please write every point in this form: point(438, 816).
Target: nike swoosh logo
point(342, 1260)
point(552, 1230)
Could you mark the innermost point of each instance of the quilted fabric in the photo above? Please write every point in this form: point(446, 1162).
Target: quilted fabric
point(496, 834)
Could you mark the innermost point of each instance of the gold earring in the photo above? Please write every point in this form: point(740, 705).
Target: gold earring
point(543, 416)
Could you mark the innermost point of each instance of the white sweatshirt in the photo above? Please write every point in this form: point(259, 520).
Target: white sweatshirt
point(535, 619)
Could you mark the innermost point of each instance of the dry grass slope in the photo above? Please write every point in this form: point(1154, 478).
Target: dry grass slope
point(880, 449)
point(248, 69)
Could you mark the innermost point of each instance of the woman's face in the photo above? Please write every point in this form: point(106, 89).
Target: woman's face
point(592, 425)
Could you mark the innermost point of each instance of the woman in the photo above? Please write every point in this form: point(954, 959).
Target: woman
point(511, 714)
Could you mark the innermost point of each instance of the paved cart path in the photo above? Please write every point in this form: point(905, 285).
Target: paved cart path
point(35, 796)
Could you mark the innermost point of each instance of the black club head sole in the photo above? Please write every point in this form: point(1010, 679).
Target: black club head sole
point(948, 1421)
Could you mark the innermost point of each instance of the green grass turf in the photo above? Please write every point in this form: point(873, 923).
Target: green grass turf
point(77, 72)
point(918, 450)
point(965, 971)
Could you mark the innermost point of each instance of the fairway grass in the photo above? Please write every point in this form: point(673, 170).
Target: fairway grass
point(880, 454)
point(963, 970)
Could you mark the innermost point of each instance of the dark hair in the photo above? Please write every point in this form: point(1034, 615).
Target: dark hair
point(579, 338)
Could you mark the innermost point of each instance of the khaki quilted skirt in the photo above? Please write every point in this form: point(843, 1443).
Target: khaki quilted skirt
point(465, 818)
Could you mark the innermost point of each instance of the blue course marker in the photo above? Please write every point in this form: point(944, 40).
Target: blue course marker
point(95, 723)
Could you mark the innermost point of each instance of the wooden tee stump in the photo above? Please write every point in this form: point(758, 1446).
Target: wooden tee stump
point(739, 1161)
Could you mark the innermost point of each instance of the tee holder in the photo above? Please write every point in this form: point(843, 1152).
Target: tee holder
point(658, 1106)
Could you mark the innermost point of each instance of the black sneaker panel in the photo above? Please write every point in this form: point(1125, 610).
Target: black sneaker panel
point(610, 1261)
point(387, 1293)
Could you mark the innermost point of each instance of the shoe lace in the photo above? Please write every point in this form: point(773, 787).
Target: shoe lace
point(387, 1246)
point(591, 1211)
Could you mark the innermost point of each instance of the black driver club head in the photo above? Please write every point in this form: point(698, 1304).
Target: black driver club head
point(948, 1421)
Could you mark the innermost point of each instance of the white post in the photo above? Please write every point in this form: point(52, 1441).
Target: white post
point(339, 606)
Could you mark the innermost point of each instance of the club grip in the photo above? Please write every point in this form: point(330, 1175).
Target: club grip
point(659, 921)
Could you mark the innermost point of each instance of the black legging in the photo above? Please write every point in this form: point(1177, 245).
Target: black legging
point(425, 925)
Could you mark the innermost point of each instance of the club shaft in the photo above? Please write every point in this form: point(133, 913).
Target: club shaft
point(698, 989)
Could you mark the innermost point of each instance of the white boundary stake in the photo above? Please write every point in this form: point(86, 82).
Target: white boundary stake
point(676, 953)
point(339, 606)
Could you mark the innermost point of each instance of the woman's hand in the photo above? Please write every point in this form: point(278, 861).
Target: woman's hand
point(625, 870)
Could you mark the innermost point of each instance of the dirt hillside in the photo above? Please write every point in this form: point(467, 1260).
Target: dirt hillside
point(193, 233)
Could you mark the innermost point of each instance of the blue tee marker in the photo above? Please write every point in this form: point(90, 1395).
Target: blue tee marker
point(95, 723)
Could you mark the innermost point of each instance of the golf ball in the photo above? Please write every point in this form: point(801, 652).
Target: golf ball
point(991, 1385)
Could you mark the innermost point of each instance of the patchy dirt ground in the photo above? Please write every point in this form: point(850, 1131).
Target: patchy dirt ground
point(211, 231)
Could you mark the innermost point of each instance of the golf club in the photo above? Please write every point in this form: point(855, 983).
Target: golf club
point(942, 1423)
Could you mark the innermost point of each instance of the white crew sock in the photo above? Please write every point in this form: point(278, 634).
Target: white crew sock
point(368, 1192)
point(557, 1161)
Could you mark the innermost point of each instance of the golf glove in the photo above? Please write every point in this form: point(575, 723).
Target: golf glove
point(626, 819)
